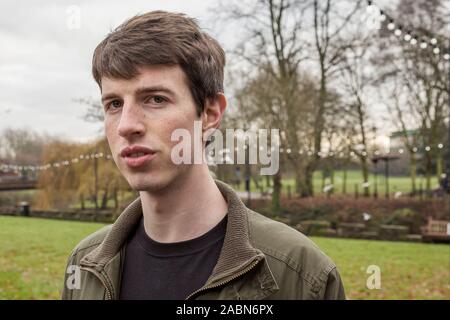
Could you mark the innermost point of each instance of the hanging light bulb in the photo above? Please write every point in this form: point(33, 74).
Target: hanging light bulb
point(423, 45)
point(391, 25)
point(447, 56)
point(398, 32)
point(371, 7)
point(413, 41)
point(382, 16)
point(433, 41)
point(407, 37)
point(436, 50)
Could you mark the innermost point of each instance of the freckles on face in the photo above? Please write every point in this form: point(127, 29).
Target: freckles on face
point(132, 101)
point(145, 111)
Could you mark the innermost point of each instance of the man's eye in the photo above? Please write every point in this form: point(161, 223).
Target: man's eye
point(156, 99)
point(114, 104)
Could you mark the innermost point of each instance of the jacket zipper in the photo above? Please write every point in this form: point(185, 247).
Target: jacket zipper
point(102, 280)
point(254, 264)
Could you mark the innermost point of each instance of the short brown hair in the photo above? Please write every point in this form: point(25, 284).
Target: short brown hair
point(163, 38)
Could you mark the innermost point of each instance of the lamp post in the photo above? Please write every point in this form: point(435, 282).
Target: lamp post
point(375, 162)
point(385, 158)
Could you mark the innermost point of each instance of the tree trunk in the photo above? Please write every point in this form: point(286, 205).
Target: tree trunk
point(439, 166)
point(365, 173)
point(267, 181)
point(303, 181)
point(104, 204)
point(82, 201)
point(428, 168)
point(116, 199)
point(300, 182)
point(276, 205)
point(413, 173)
point(309, 183)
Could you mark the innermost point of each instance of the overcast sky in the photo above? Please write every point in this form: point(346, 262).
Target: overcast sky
point(45, 57)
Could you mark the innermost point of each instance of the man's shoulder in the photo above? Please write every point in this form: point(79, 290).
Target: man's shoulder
point(286, 245)
point(92, 241)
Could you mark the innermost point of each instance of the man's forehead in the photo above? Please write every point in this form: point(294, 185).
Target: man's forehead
point(171, 77)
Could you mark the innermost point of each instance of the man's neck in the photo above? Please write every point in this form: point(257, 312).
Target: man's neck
point(187, 209)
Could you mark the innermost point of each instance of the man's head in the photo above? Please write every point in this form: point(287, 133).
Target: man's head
point(163, 38)
point(157, 72)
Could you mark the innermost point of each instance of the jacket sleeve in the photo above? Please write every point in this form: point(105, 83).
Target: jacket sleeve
point(334, 289)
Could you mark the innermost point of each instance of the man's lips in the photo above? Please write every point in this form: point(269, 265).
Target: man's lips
point(137, 156)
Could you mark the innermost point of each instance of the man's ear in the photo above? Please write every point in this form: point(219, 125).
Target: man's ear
point(213, 112)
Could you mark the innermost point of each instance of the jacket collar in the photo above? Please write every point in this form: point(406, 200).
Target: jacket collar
point(237, 252)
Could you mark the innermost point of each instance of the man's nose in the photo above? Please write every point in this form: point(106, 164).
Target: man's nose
point(131, 121)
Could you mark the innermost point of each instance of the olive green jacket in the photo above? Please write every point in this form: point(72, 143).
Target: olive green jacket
point(260, 259)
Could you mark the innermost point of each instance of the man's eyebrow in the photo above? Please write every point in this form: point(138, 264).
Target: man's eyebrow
point(109, 96)
point(154, 89)
point(140, 91)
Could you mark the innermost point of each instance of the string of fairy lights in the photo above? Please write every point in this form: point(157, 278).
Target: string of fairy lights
point(422, 41)
point(56, 164)
point(413, 37)
point(304, 152)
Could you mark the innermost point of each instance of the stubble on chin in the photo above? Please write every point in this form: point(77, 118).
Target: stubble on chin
point(157, 179)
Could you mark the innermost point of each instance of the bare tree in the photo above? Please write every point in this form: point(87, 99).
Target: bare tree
point(355, 83)
point(272, 45)
point(330, 45)
point(94, 112)
point(403, 112)
point(423, 80)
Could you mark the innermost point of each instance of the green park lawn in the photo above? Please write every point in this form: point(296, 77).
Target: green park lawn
point(33, 254)
point(354, 177)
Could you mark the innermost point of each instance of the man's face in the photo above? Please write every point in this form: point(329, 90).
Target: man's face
point(141, 114)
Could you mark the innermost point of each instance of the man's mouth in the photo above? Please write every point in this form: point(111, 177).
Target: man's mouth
point(137, 156)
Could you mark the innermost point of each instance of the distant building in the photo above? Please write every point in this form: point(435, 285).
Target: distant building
point(397, 141)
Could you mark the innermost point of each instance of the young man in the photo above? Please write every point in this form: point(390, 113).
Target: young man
point(187, 236)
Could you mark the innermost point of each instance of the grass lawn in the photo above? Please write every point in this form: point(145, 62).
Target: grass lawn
point(354, 177)
point(33, 255)
point(408, 270)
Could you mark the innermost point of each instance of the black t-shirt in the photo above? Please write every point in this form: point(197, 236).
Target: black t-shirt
point(170, 271)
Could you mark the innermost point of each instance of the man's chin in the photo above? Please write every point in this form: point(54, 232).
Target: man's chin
point(150, 184)
point(150, 187)
point(156, 180)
